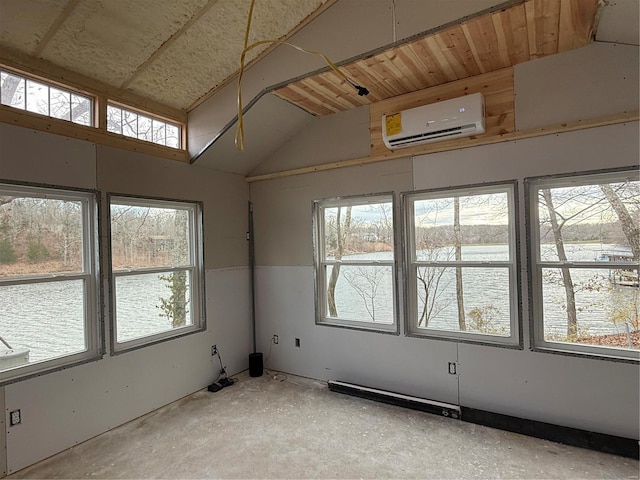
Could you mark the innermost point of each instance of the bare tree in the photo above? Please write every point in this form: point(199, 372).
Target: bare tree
point(432, 279)
point(365, 281)
point(9, 88)
point(342, 233)
point(458, 248)
point(629, 228)
point(556, 226)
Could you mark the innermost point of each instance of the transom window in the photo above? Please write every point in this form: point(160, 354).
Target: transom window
point(156, 260)
point(36, 96)
point(48, 280)
point(462, 264)
point(355, 262)
point(585, 249)
point(143, 126)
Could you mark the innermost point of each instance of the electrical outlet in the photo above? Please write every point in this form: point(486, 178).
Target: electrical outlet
point(452, 368)
point(214, 349)
point(15, 418)
point(275, 339)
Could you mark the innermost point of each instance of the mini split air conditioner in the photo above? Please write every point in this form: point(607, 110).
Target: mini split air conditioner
point(458, 117)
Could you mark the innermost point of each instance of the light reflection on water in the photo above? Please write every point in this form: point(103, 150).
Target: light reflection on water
point(47, 318)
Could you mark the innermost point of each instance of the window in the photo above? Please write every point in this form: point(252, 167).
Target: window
point(462, 264)
point(585, 249)
point(355, 262)
point(143, 127)
point(48, 280)
point(156, 261)
point(25, 93)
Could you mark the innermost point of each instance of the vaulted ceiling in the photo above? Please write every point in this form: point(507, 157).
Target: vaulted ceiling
point(185, 53)
point(171, 51)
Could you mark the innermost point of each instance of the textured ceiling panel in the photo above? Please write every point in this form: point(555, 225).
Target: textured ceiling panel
point(110, 39)
point(170, 51)
point(212, 48)
point(486, 43)
point(24, 23)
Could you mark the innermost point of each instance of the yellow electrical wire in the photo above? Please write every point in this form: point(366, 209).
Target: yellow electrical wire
point(239, 140)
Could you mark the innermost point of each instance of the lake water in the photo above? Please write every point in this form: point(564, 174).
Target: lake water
point(486, 290)
point(48, 318)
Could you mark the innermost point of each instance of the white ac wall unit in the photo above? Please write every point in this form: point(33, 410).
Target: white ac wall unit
point(458, 117)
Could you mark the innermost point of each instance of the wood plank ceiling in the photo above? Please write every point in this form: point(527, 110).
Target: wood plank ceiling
point(489, 42)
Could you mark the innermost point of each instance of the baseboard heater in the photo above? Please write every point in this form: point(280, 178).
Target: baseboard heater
point(626, 447)
point(398, 399)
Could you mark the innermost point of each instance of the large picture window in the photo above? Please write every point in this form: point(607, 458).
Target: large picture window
point(156, 260)
point(461, 264)
point(48, 280)
point(585, 249)
point(355, 262)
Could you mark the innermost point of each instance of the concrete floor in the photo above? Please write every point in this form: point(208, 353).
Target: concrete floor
point(291, 427)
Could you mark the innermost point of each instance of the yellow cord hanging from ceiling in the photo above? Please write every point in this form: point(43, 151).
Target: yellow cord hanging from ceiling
point(239, 140)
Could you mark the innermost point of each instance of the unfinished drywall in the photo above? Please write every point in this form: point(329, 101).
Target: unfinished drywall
point(593, 81)
point(66, 407)
point(285, 293)
point(501, 380)
point(348, 131)
point(570, 391)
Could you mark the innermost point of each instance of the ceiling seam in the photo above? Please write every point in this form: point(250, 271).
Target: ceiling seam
point(143, 66)
point(55, 26)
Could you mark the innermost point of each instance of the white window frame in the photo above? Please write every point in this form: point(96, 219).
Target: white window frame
point(195, 267)
point(90, 276)
point(532, 186)
point(411, 263)
point(321, 263)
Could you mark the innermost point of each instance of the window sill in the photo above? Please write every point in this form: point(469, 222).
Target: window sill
point(608, 356)
point(390, 329)
point(473, 339)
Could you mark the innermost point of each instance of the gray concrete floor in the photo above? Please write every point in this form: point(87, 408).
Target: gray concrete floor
point(290, 427)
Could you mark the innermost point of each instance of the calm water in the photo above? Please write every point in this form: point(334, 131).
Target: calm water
point(486, 290)
point(52, 323)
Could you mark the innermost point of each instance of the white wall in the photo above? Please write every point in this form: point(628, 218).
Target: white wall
point(597, 395)
point(67, 407)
